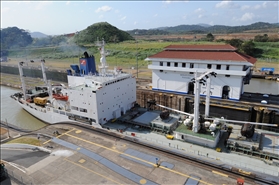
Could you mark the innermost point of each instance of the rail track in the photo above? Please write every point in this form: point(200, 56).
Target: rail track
point(227, 170)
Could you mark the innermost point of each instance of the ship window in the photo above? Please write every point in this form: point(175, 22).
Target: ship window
point(183, 64)
point(82, 110)
point(191, 72)
point(209, 66)
point(168, 64)
point(228, 67)
point(161, 63)
point(175, 64)
point(161, 71)
point(74, 108)
point(227, 75)
point(93, 91)
point(62, 112)
point(218, 66)
point(191, 65)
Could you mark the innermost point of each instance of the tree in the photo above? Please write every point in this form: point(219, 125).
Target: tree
point(248, 47)
point(261, 38)
point(13, 37)
point(235, 43)
point(209, 37)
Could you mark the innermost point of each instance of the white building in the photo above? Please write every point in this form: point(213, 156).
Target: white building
point(175, 66)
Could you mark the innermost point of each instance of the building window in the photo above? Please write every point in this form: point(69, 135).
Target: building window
point(218, 66)
point(161, 63)
point(191, 65)
point(209, 66)
point(168, 64)
point(183, 64)
point(228, 67)
point(175, 64)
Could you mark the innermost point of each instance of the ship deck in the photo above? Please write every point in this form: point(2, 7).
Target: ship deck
point(183, 129)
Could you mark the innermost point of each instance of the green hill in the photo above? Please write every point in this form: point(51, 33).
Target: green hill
point(101, 30)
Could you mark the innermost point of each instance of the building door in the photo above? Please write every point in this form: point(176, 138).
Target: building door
point(226, 92)
point(191, 88)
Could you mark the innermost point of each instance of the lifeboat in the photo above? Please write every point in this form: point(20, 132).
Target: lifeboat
point(60, 97)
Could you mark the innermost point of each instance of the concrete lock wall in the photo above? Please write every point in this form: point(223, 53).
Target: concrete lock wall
point(185, 103)
point(54, 75)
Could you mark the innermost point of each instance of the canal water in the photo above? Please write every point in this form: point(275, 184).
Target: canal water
point(14, 114)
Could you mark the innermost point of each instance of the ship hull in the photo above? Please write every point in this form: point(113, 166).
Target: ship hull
point(49, 116)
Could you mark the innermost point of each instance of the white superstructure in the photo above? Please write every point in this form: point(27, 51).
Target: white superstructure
point(174, 68)
point(92, 97)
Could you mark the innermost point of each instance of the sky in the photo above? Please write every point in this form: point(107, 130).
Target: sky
point(62, 17)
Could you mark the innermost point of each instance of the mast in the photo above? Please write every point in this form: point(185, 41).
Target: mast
point(43, 71)
point(20, 64)
point(103, 67)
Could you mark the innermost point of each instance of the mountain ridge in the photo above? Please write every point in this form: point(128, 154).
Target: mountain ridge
point(205, 28)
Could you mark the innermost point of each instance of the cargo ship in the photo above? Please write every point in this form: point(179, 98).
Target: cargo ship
point(92, 96)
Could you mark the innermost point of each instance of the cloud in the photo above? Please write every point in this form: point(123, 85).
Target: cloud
point(245, 7)
point(201, 16)
point(101, 16)
point(226, 4)
point(68, 2)
point(184, 16)
point(199, 10)
point(5, 9)
point(116, 11)
point(155, 15)
point(135, 23)
point(42, 5)
point(123, 18)
point(247, 17)
point(103, 9)
point(260, 6)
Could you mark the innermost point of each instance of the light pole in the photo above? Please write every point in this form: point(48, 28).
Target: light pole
point(137, 56)
point(137, 61)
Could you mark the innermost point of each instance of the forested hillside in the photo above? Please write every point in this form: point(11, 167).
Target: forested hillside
point(13, 37)
point(184, 29)
point(101, 30)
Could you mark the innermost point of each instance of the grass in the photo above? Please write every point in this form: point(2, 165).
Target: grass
point(26, 140)
point(127, 55)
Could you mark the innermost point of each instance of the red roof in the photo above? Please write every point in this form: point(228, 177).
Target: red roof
point(204, 52)
point(226, 47)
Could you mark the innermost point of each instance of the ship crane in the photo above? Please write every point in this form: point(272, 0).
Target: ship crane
point(20, 67)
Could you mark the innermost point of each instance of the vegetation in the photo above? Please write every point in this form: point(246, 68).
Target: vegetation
point(182, 29)
point(101, 30)
point(26, 140)
point(13, 37)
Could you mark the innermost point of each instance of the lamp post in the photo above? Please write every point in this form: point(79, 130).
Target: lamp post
point(137, 56)
point(137, 61)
